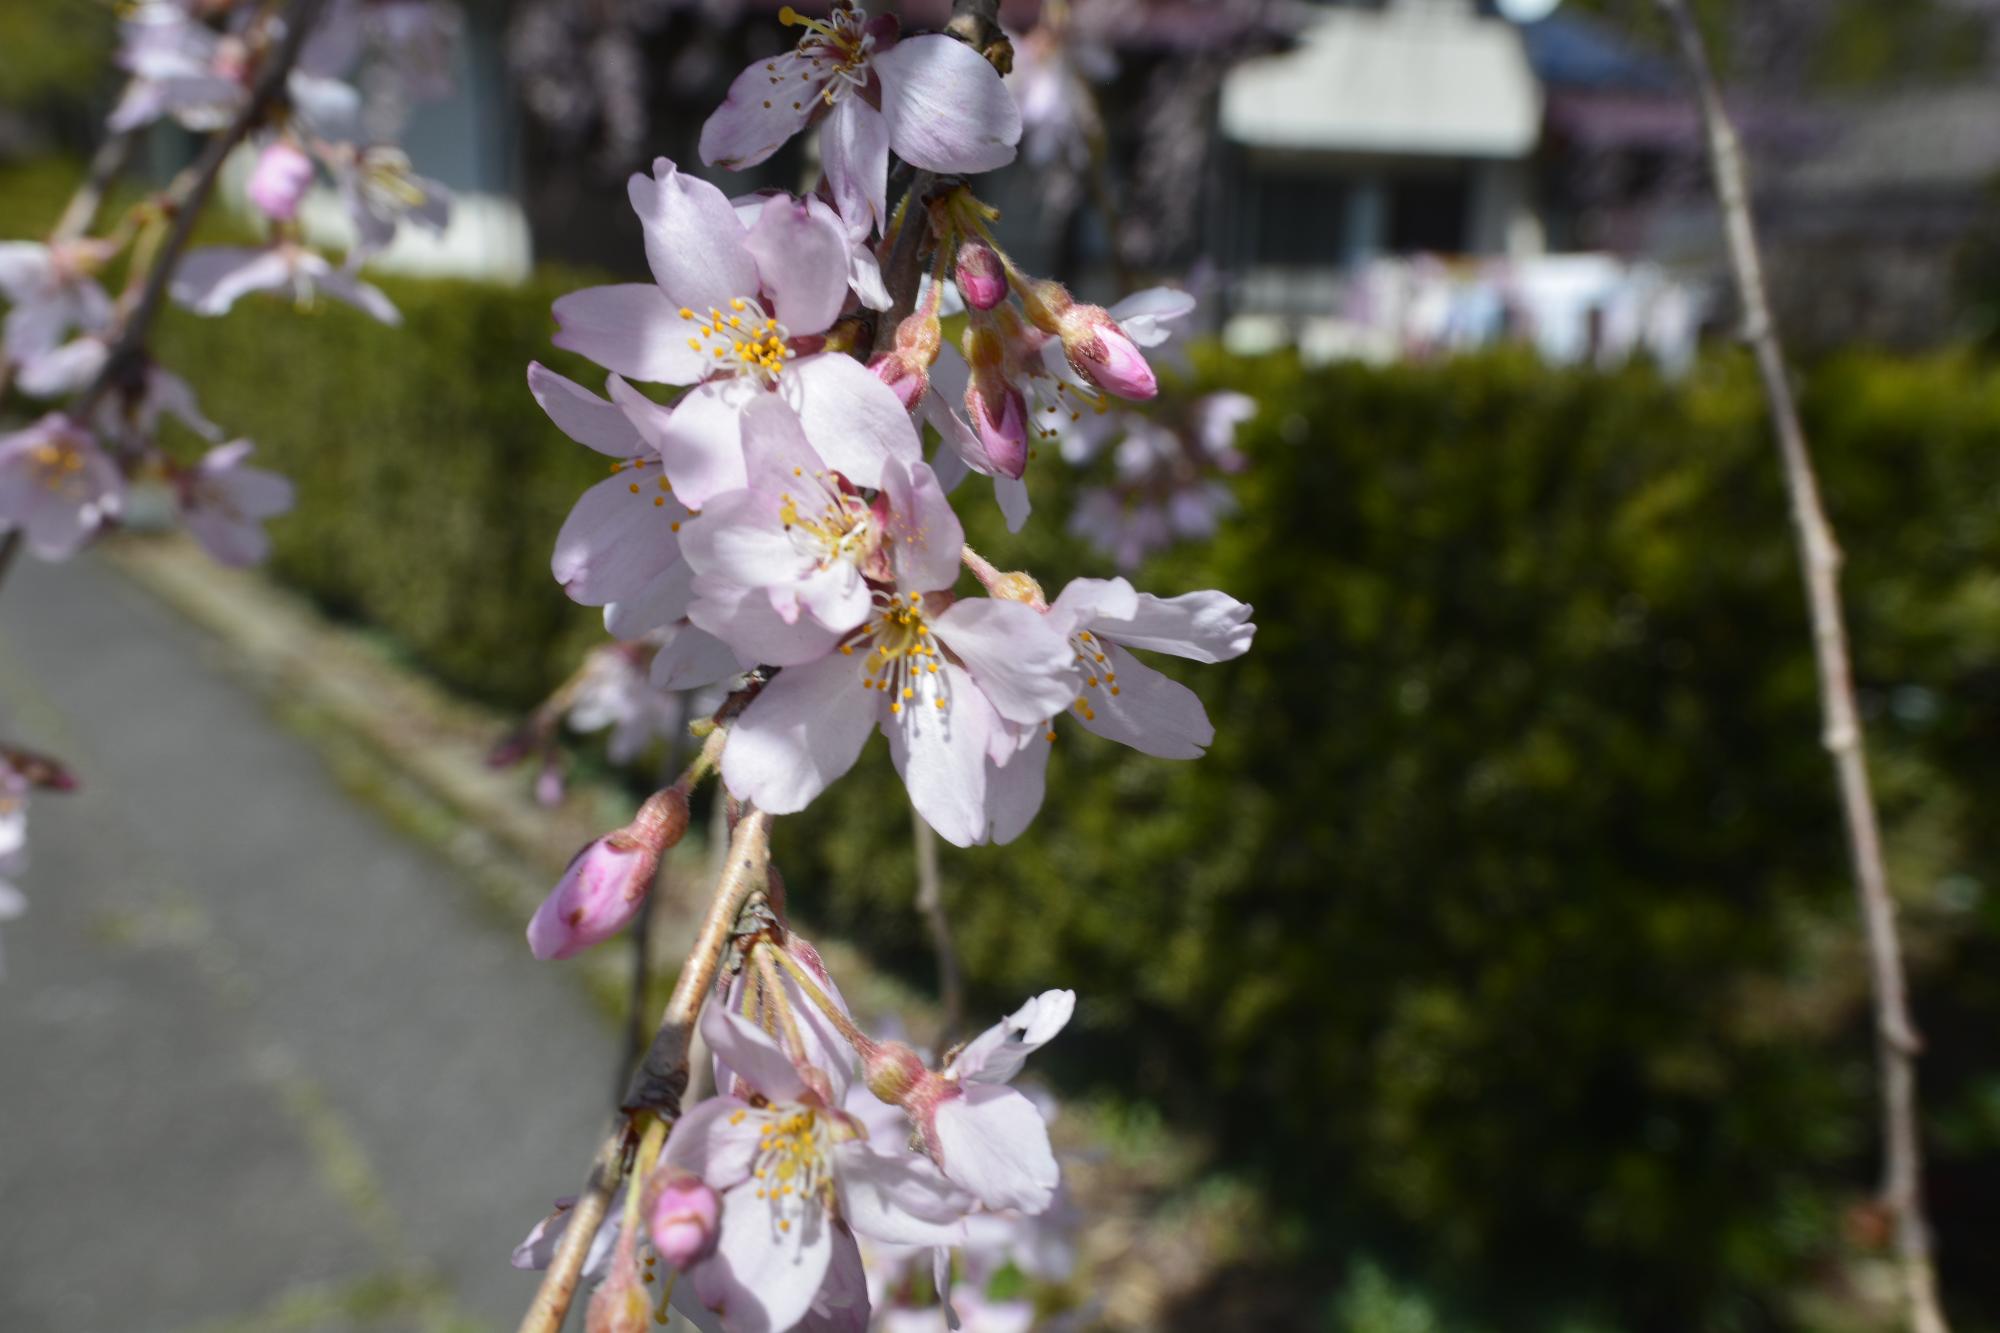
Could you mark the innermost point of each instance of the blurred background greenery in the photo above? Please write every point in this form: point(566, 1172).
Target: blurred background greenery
point(1504, 938)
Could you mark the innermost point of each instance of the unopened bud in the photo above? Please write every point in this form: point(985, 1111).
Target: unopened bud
point(280, 180)
point(909, 383)
point(893, 1071)
point(683, 1215)
point(1045, 302)
point(1103, 353)
point(596, 898)
point(982, 278)
point(999, 413)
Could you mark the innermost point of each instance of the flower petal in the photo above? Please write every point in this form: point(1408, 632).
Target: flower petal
point(1014, 790)
point(629, 327)
point(995, 1144)
point(693, 240)
point(701, 439)
point(744, 619)
point(583, 416)
point(751, 1053)
point(762, 1279)
point(801, 253)
point(925, 532)
point(1021, 664)
point(941, 753)
point(614, 543)
point(767, 104)
point(1144, 315)
point(947, 109)
point(852, 419)
point(997, 1054)
point(1206, 626)
point(854, 152)
point(693, 658)
point(805, 730)
point(1149, 712)
point(715, 1139)
point(897, 1197)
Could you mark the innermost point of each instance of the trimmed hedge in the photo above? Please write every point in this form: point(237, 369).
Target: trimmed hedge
point(1505, 931)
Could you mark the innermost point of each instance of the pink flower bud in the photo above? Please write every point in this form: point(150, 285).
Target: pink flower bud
point(1000, 418)
point(602, 889)
point(596, 898)
point(280, 180)
point(684, 1215)
point(1105, 354)
point(909, 382)
point(982, 278)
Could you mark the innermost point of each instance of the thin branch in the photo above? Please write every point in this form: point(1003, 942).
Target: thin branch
point(930, 901)
point(1896, 1043)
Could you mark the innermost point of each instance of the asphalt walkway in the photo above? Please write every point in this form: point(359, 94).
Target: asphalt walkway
point(265, 1063)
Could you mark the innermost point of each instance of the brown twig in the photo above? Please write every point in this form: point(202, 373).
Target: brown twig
point(1896, 1043)
point(930, 902)
point(662, 1077)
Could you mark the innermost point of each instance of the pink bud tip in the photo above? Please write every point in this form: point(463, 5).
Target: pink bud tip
point(909, 382)
point(683, 1216)
point(982, 278)
point(1105, 355)
point(1001, 419)
point(596, 898)
point(279, 181)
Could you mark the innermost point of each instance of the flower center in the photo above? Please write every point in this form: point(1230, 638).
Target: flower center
point(741, 340)
point(901, 651)
point(792, 1166)
point(839, 43)
point(58, 467)
point(841, 527)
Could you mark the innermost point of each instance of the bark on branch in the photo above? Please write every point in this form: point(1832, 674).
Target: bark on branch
point(1819, 556)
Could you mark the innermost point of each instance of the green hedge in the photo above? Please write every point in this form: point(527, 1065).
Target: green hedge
point(1505, 932)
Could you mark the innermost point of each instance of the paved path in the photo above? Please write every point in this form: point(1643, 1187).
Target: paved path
point(265, 1064)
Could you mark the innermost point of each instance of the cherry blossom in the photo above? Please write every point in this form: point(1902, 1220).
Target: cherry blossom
point(224, 503)
point(940, 679)
point(1116, 695)
point(211, 281)
point(57, 487)
point(797, 1181)
point(615, 691)
point(933, 99)
point(51, 291)
point(736, 312)
point(782, 566)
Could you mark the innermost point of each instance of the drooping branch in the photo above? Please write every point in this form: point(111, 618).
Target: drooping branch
point(1897, 1043)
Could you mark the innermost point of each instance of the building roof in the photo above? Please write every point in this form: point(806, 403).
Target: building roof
point(1424, 77)
point(1570, 51)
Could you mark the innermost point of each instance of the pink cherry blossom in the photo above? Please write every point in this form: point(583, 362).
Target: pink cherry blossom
point(51, 292)
point(797, 1181)
point(933, 99)
point(1116, 695)
point(782, 566)
point(615, 691)
point(939, 678)
point(988, 1138)
point(224, 503)
point(736, 313)
point(57, 487)
point(380, 193)
point(211, 281)
point(620, 541)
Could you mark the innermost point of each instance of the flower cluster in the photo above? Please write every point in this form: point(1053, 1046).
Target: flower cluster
point(827, 1164)
point(64, 477)
point(1167, 469)
point(774, 519)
